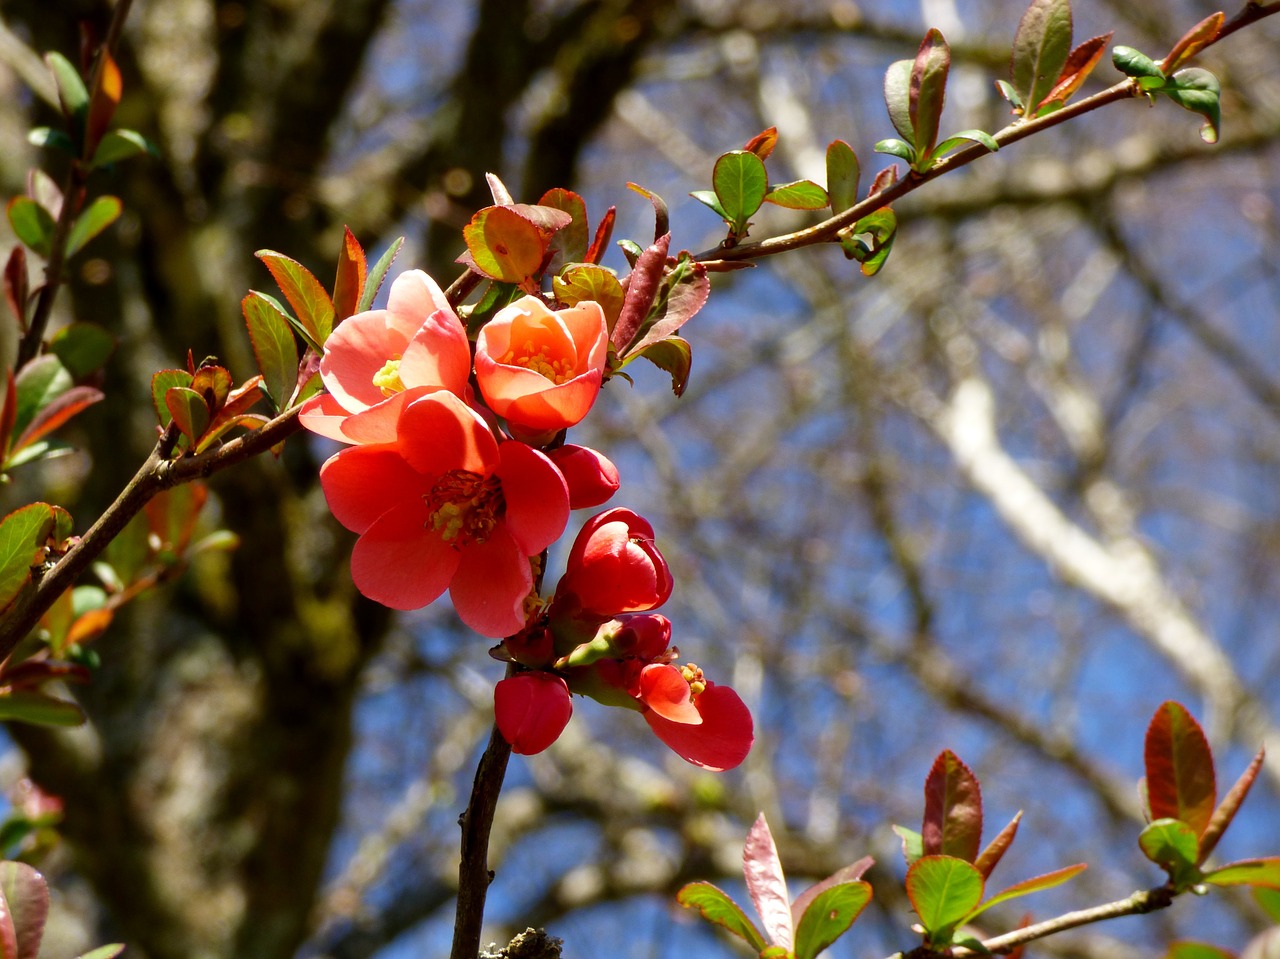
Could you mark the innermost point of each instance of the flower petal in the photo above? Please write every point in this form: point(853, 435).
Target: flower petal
point(536, 494)
point(324, 415)
point(438, 433)
point(378, 423)
point(356, 351)
point(531, 710)
point(439, 355)
point(592, 478)
point(490, 585)
point(590, 332)
point(413, 298)
point(363, 482)
point(399, 561)
point(666, 692)
point(724, 738)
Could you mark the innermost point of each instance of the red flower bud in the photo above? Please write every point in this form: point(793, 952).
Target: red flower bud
point(591, 477)
point(531, 710)
point(615, 567)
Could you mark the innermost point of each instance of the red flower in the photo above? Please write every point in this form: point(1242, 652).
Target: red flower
point(615, 567)
point(723, 737)
point(531, 710)
point(541, 369)
point(591, 477)
point(377, 362)
point(447, 507)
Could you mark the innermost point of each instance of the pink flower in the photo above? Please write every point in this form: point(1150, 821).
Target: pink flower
point(591, 477)
point(615, 567)
point(375, 363)
point(541, 370)
point(447, 507)
point(531, 710)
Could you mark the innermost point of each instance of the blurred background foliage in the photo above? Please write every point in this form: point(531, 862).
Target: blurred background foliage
point(1004, 498)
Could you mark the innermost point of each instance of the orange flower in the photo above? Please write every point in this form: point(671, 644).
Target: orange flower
point(541, 369)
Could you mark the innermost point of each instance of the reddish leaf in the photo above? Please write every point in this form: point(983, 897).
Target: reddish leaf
point(304, 292)
point(213, 382)
point(1195, 40)
point(569, 244)
point(587, 281)
point(501, 195)
point(1077, 69)
point(683, 292)
point(1249, 872)
point(1040, 49)
point(884, 179)
point(27, 896)
point(234, 413)
point(641, 288)
point(8, 931)
point(57, 412)
point(1035, 884)
point(603, 232)
point(661, 217)
point(952, 810)
point(17, 286)
point(189, 410)
point(1180, 781)
point(102, 104)
point(1229, 806)
point(505, 246)
point(762, 144)
point(348, 285)
point(8, 413)
point(991, 856)
point(928, 90)
point(766, 884)
point(172, 514)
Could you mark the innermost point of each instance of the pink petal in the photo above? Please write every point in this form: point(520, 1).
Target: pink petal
point(438, 433)
point(400, 562)
point(531, 710)
point(766, 884)
point(414, 296)
point(358, 349)
point(324, 415)
point(363, 482)
point(556, 407)
point(439, 355)
point(666, 692)
point(490, 585)
point(378, 423)
point(587, 326)
point(721, 742)
point(536, 494)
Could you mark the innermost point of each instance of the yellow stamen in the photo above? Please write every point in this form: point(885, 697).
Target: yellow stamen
point(388, 379)
point(465, 506)
point(557, 371)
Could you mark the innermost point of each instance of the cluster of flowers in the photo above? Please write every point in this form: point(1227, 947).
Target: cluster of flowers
point(450, 491)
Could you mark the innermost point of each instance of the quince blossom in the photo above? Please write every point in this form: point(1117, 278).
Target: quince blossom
point(540, 369)
point(615, 567)
point(446, 506)
point(377, 362)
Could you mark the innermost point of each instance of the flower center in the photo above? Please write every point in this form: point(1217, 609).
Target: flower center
point(388, 379)
point(528, 356)
point(465, 506)
point(692, 674)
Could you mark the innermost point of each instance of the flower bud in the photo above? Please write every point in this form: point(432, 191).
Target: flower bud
point(531, 710)
point(615, 567)
point(591, 477)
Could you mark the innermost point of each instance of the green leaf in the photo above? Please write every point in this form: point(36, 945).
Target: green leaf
point(928, 90)
point(118, 145)
point(1179, 767)
point(897, 148)
point(672, 355)
point(273, 347)
point(1196, 950)
point(682, 292)
point(1133, 63)
point(32, 224)
point(39, 383)
point(83, 348)
point(23, 534)
point(95, 218)
point(51, 138)
point(1247, 872)
point(943, 890)
point(897, 98)
point(1040, 49)
point(161, 383)
point(843, 174)
point(1046, 881)
point(709, 198)
point(715, 906)
point(505, 246)
point(374, 280)
point(829, 916)
point(1174, 847)
point(959, 139)
point(800, 195)
point(587, 281)
point(912, 843)
point(952, 810)
point(309, 299)
point(1198, 90)
point(1010, 93)
point(740, 182)
point(27, 896)
point(1269, 900)
point(72, 92)
point(189, 410)
point(880, 228)
point(104, 952)
point(39, 709)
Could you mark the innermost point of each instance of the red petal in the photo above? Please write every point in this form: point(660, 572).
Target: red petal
point(490, 585)
point(363, 482)
point(666, 692)
point(400, 562)
point(724, 738)
point(592, 478)
point(414, 296)
point(324, 415)
point(536, 494)
point(439, 355)
point(531, 710)
point(439, 432)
